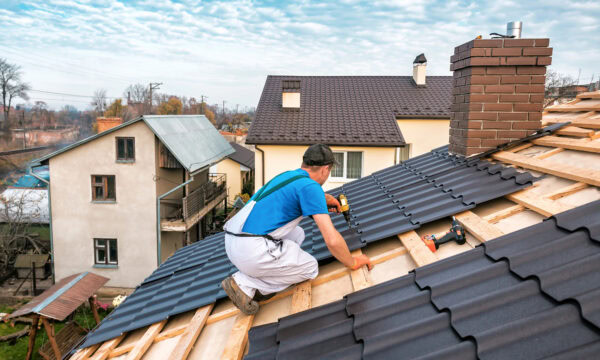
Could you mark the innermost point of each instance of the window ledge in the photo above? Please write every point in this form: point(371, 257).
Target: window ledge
point(125, 161)
point(106, 266)
point(341, 180)
point(104, 201)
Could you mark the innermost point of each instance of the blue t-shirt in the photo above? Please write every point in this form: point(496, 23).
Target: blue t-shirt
point(303, 197)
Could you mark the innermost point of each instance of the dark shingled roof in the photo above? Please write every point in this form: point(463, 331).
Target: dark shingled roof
point(242, 155)
point(347, 110)
point(531, 294)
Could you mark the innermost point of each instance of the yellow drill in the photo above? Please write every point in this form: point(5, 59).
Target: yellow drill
point(345, 207)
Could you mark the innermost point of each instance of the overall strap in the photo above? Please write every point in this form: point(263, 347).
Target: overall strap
point(263, 194)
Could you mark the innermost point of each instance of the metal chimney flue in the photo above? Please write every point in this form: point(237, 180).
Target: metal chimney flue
point(514, 28)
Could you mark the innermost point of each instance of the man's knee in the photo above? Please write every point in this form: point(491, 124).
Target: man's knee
point(312, 268)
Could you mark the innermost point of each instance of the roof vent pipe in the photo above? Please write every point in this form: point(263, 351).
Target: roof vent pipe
point(514, 28)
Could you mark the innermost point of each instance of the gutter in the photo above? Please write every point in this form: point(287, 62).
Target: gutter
point(30, 172)
point(263, 165)
point(158, 232)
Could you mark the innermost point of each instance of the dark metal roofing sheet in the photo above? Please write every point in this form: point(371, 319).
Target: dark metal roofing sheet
point(530, 294)
point(62, 298)
point(387, 203)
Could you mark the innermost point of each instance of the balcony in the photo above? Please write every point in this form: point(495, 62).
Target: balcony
point(193, 207)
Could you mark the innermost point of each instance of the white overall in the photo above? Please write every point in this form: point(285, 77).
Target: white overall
point(264, 265)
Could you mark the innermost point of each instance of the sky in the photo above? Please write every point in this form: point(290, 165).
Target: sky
point(225, 49)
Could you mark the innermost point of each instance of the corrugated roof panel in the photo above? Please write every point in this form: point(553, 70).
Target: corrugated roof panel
point(192, 139)
point(530, 294)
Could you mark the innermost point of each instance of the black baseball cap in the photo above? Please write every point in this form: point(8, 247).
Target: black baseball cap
point(318, 155)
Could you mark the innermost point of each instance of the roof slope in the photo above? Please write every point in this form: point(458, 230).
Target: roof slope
point(192, 139)
point(392, 201)
point(529, 294)
point(242, 155)
point(347, 110)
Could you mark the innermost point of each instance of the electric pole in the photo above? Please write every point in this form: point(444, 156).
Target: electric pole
point(202, 97)
point(153, 86)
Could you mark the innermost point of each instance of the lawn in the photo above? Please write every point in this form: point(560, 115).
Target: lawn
point(17, 351)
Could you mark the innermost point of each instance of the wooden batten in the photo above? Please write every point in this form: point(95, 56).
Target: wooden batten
point(417, 249)
point(478, 227)
point(166, 159)
point(568, 143)
point(238, 337)
point(144, 343)
point(360, 278)
point(193, 329)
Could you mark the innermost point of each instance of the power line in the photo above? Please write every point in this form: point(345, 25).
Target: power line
point(73, 95)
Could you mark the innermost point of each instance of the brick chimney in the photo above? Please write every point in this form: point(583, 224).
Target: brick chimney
point(498, 92)
point(105, 123)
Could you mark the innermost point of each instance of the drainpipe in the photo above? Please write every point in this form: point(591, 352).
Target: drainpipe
point(158, 238)
point(263, 165)
point(30, 172)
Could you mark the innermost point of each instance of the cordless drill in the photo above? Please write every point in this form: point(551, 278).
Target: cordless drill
point(345, 207)
point(456, 233)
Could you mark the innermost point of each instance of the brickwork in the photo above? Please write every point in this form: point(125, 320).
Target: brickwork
point(498, 92)
point(105, 123)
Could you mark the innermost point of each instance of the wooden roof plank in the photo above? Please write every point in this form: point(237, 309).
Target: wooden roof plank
point(478, 227)
point(567, 143)
point(550, 153)
point(417, 249)
point(187, 340)
point(107, 347)
point(302, 297)
point(575, 131)
point(360, 277)
point(538, 204)
point(582, 122)
point(588, 176)
point(83, 354)
point(589, 95)
point(503, 214)
point(238, 337)
point(147, 339)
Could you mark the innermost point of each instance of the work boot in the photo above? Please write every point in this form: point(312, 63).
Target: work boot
point(258, 296)
point(242, 301)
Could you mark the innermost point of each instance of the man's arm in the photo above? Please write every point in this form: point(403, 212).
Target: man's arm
point(337, 245)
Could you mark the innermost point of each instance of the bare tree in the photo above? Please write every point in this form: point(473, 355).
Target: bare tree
point(558, 87)
point(136, 93)
point(18, 211)
point(11, 87)
point(99, 101)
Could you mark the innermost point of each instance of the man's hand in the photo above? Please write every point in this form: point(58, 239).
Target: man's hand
point(361, 260)
point(333, 204)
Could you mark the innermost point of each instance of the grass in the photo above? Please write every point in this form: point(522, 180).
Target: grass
point(18, 350)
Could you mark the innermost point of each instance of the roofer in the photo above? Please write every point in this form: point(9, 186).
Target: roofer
point(263, 239)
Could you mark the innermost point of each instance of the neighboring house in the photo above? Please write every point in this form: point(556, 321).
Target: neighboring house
point(371, 122)
point(105, 189)
point(239, 168)
point(525, 284)
point(26, 201)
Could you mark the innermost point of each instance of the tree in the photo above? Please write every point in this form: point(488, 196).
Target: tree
point(115, 109)
point(11, 87)
point(136, 93)
point(40, 114)
point(558, 87)
point(99, 101)
point(171, 107)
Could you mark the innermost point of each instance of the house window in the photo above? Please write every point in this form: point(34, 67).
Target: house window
point(105, 252)
point(349, 165)
point(103, 188)
point(125, 149)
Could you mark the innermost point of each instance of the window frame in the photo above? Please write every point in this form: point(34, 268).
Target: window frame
point(128, 157)
point(104, 185)
point(107, 247)
point(344, 177)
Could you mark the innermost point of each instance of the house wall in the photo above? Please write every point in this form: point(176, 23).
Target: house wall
point(76, 220)
point(234, 177)
point(280, 158)
point(424, 134)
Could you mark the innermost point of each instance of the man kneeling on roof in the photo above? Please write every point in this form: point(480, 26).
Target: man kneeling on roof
point(263, 239)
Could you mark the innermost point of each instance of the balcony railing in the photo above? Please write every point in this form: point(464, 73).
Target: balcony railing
point(180, 214)
point(202, 196)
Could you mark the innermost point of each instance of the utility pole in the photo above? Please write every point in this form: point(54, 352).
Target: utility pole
point(223, 109)
point(153, 86)
point(202, 97)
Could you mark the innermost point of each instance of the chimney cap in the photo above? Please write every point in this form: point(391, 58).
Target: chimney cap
point(420, 59)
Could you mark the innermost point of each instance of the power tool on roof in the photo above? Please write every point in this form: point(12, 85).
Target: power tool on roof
point(456, 233)
point(345, 207)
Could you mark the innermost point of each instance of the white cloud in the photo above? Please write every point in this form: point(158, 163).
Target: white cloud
point(225, 49)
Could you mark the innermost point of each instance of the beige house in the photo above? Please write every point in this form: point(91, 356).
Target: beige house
point(239, 169)
point(124, 200)
point(370, 122)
